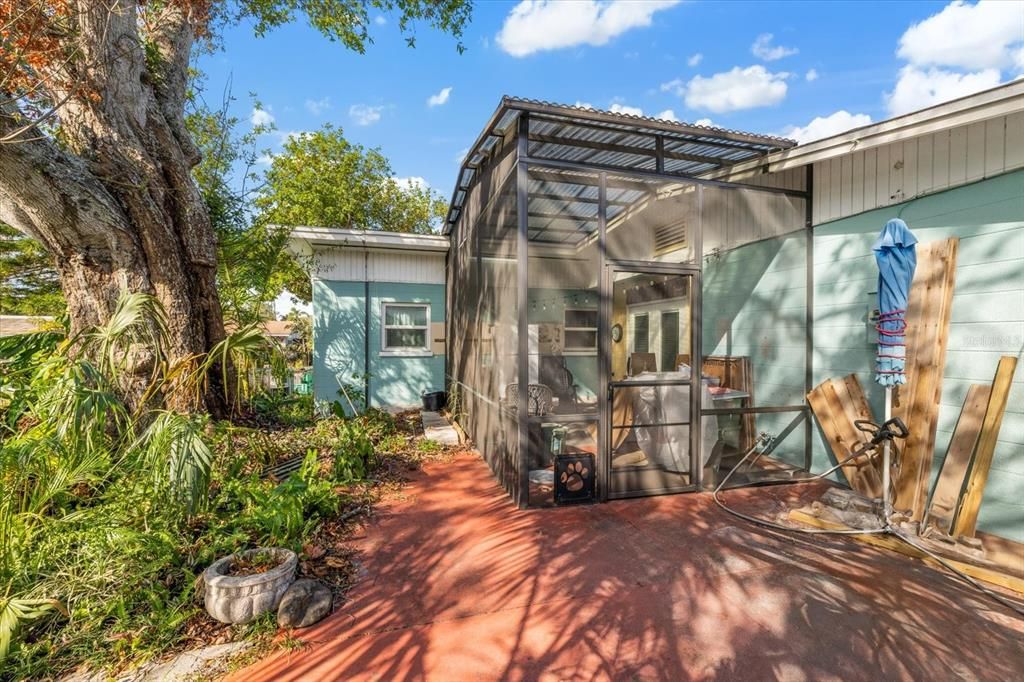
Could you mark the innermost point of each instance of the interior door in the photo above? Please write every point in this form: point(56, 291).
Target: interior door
point(650, 447)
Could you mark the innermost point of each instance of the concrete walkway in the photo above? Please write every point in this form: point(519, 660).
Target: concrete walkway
point(456, 584)
point(437, 428)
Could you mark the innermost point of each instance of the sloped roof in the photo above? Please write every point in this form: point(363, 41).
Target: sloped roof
point(612, 141)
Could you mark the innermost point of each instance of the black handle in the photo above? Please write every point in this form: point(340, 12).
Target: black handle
point(866, 425)
point(896, 427)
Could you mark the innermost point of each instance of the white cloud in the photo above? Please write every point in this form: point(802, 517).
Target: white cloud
point(695, 59)
point(380, 20)
point(676, 86)
point(412, 181)
point(538, 25)
point(364, 114)
point(318, 106)
point(705, 122)
point(827, 126)
point(265, 159)
point(289, 135)
point(619, 108)
point(733, 90)
point(440, 98)
point(461, 156)
point(812, 75)
point(583, 105)
point(261, 117)
point(920, 88)
point(976, 37)
point(667, 115)
point(763, 48)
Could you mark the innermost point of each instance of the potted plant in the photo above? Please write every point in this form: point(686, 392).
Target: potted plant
point(241, 586)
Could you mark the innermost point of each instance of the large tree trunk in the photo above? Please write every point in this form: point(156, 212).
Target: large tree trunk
point(114, 201)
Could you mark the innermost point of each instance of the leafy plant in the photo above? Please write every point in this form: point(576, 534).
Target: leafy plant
point(354, 453)
point(14, 612)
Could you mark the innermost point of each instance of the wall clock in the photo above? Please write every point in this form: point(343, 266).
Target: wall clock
point(616, 332)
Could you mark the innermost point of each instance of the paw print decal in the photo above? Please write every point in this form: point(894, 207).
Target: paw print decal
point(572, 477)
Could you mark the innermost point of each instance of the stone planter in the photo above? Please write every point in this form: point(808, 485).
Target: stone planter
point(240, 599)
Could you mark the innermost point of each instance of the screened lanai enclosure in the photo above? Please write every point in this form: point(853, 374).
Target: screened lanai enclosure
point(619, 324)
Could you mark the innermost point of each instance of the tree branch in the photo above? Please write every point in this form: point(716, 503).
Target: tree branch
point(50, 195)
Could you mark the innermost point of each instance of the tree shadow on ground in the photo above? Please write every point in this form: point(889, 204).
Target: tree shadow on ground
point(458, 584)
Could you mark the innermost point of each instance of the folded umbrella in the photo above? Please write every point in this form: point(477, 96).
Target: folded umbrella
point(896, 257)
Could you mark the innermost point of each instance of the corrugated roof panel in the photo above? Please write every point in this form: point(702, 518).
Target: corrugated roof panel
point(615, 140)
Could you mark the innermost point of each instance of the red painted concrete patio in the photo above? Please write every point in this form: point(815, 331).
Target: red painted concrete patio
point(456, 584)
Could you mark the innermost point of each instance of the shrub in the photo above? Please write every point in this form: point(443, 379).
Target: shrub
point(109, 515)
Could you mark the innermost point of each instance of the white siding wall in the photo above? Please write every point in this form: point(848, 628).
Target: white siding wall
point(350, 265)
point(898, 171)
point(793, 178)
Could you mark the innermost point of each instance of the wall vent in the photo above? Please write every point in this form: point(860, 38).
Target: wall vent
point(670, 237)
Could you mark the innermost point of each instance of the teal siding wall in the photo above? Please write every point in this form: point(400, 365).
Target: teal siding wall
point(987, 319)
point(399, 381)
point(339, 333)
point(754, 304)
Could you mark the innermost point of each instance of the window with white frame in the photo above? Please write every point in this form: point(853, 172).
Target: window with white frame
point(406, 328)
point(580, 329)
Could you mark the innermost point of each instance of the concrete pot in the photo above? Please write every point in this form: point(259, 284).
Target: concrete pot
point(240, 599)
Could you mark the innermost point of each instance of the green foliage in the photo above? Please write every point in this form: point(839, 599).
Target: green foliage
point(253, 267)
point(354, 454)
point(323, 179)
point(109, 515)
point(348, 21)
point(20, 357)
point(428, 446)
point(28, 280)
point(174, 452)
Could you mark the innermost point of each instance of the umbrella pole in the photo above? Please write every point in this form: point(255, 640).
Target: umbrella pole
point(886, 456)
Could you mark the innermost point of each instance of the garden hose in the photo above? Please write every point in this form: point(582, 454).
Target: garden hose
point(761, 448)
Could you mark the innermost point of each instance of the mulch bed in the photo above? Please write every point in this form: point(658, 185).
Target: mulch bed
point(328, 556)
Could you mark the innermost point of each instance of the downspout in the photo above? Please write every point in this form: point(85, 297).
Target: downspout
point(366, 324)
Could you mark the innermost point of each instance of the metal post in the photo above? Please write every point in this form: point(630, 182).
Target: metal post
point(604, 351)
point(697, 350)
point(521, 470)
point(809, 316)
point(886, 502)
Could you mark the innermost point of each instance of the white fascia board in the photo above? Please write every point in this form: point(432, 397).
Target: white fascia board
point(312, 237)
point(1000, 101)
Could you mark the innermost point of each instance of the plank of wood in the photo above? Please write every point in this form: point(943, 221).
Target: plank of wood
point(857, 407)
point(928, 313)
point(852, 405)
point(967, 513)
point(843, 438)
point(957, 463)
point(991, 576)
point(1003, 551)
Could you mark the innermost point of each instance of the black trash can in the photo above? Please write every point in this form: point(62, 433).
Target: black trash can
point(435, 401)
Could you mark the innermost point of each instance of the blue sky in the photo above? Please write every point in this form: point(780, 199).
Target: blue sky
point(758, 66)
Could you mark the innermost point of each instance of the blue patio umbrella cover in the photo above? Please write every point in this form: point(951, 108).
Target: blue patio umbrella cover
point(896, 256)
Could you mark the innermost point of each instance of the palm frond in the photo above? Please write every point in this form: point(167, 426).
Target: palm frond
point(172, 449)
point(15, 611)
point(138, 319)
point(243, 351)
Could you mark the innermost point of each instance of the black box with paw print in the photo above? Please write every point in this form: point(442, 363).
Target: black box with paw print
point(574, 478)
